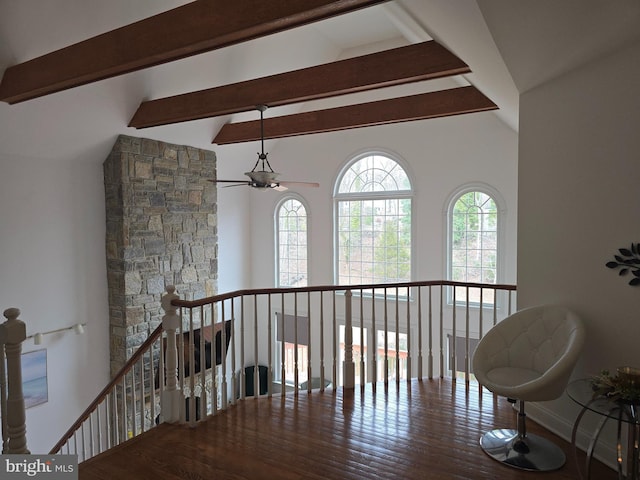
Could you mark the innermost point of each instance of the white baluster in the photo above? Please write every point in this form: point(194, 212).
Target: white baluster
point(234, 379)
point(172, 398)
point(3, 398)
point(12, 333)
point(442, 330)
point(224, 395)
point(362, 343)
point(397, 339)
point(322, 343)
point(349, 366)
point(309, 342)
point(283, 356)
point(269, 347)
point(409, 349)
point(335, 342)
point(373, 340)
point(386, 338)
point(296, 373)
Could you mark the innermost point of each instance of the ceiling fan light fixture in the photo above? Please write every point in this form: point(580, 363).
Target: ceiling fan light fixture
point(262, 176)
point(264, 179)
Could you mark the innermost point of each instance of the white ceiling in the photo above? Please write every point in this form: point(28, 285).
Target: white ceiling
point(542, 39)
point(537, 40)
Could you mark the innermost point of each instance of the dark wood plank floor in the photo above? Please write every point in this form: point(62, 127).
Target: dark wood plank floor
point(425, 429)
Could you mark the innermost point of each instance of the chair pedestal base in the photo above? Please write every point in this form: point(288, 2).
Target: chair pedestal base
point(531, 452)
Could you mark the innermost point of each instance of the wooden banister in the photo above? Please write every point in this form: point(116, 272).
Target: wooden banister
point(117, 379)
point(12, 334)
point(129, 409)
point(333, 288)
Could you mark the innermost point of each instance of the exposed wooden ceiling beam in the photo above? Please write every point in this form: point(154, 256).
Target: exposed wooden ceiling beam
point(194, 28)
point(442, 103)
point(422, 61)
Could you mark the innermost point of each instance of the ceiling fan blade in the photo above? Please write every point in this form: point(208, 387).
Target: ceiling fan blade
point(280, 188)
point(244, 182)
point(302, 184)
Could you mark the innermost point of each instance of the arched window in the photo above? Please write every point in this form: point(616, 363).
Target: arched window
point(373, 204)
point(291, 243)
point(473, 256)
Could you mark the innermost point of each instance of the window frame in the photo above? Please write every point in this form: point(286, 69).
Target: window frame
point(501, 210)
point(377, 195)
point(276, 222)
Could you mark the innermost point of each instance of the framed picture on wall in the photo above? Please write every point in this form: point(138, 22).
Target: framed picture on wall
point(34, 378)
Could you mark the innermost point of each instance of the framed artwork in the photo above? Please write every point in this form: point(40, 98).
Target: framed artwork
point(34, 378)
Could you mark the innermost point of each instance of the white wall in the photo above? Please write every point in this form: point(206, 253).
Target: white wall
point(234, 233)
point(52, 265)
point(579, 178)
point(52, 237)
point(441, 155)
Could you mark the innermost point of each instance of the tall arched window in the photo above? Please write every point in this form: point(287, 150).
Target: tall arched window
point(373, 221)
point(291, 243)
point(474, 222)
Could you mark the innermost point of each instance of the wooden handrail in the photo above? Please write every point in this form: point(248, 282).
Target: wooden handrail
point(106, 390)
point(335, 288)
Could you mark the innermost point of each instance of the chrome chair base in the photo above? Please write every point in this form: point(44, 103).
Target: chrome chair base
point(531, 452)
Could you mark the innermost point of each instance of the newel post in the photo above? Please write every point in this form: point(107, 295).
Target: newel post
point(349, 366)
point(12, 333)
point(172, 398)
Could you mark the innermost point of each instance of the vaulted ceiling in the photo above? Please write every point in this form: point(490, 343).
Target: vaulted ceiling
point(79, 72)
point(197, 27)
point(205, 25)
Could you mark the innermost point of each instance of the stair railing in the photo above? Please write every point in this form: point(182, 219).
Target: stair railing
point(212, 352)
point(115, 415)
point(147, 390)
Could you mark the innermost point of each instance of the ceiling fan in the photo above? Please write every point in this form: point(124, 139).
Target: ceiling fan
point(264, 179)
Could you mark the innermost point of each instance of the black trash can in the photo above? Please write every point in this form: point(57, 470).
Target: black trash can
point(249, 381)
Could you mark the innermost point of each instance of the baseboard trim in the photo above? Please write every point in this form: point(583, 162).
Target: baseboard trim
point(606, 451)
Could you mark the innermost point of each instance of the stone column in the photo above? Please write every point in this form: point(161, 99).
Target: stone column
point(161, 230)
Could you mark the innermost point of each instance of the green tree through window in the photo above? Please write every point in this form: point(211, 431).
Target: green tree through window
point(474, 242)
point(373, 205)
point(291, 229)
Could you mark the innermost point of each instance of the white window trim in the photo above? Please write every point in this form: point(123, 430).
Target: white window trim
point(500, 228)
point(400, 194)
point(276, 231)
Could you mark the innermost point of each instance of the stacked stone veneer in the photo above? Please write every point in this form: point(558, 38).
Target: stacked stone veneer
point(161, 230)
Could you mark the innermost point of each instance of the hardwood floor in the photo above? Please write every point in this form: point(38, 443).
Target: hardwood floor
point(426, 429)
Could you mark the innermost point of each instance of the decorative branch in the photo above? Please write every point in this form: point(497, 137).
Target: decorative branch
point(623, 387)
point(628, 261)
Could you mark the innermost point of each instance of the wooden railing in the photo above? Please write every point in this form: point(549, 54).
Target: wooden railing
point(263, 342)
point(120, 410)
point(12, 334)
